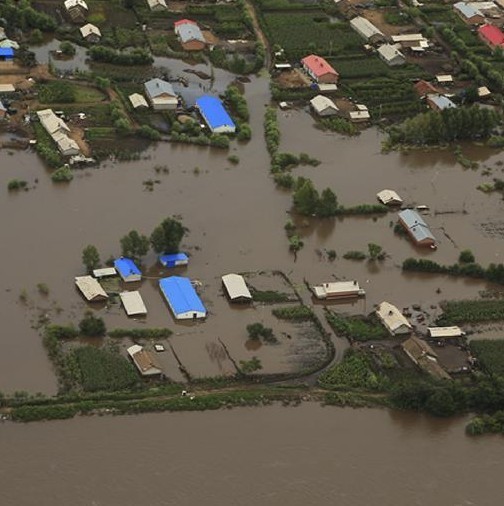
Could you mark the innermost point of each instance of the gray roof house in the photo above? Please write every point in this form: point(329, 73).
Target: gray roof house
point(439, 102)
point(391, 55)
point(161, 94)
point(417, 228)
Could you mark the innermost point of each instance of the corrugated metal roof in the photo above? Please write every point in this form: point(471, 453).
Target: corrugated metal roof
point(466, 10)
point(126, 267)
point(51, 122)
point(7, 88)
point(389, 197)
point(133, 303)
point(321, 103)
point(138, 100)
point(236, 287)
point(318, 65)
point(389, 52)
point(90, 288)
point(156, 87)
point(188, 30)
point(416, 225)
point(145, 361)
point(214, 113)
point(440, 332)
point(181, 295)
point(392, 318)
point(90, 29)
point(157, 3)
point(492, 34)
point(408, 37)
point(173, 259)
point(365, 28)
point(441, 102)
point(6, 52)
point(337, 288)
point(69, 4)
point(106, 271)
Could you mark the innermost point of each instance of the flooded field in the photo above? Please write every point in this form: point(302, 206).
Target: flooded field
point(304, 455)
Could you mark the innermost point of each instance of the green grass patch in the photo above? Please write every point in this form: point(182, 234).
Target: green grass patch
point(270, 296)
point(471, 311)
point(296, 313)
point(151, 333)
point(357, 328)
point(490, 354)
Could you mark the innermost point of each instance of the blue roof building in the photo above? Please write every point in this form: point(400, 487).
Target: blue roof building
point(6, 54)
point(416, 228)
point(173, 260)
point(127, 269)
point(214, 114)
point(182, 298)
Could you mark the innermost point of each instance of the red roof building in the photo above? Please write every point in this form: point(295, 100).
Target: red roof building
point(184, 22)
point(319, 70)
point(424, 88)
point(491, 35)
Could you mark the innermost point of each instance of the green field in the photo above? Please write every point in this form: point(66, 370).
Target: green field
point(471, 311)
point(490, 353)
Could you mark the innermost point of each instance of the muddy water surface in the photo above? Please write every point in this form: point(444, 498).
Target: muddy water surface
point(299, 456)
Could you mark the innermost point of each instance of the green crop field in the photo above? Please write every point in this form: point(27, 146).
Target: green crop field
point(490, 353)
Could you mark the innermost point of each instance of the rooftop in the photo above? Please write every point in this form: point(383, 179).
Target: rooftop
point(213, 111)
point(181, 295)
point(416, 225)
point(492, 34)
point(318, 66)
point(156, 87)
point(126, 267)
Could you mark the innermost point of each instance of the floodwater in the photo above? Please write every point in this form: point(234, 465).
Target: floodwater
point(250, 456)
point(236, 219)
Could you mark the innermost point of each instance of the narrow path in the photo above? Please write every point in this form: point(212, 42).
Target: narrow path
point(259, 33)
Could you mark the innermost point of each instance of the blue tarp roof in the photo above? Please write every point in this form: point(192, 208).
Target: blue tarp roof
point(173, 257)
point(126, 267)
point(6, 52)
point(181, 294)
point(213, 111)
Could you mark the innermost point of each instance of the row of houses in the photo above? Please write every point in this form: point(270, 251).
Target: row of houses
point(58, 130)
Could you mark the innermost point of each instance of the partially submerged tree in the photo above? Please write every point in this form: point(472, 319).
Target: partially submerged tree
point(92, 326)
point(90, 258)
point(134, 245)
point(375, 251)
point(167, 236)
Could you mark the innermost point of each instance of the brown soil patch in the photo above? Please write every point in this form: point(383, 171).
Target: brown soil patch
point(210, 37)
point(77, 134)
point(376, 17)
point(292, 79)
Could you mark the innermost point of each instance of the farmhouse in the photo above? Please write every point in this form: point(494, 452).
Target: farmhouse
point(389, 198)
point(469, 14)
point(157, 5)
point(91, 289)
point(424, 88)
point(323, 106)
point(6, 55)
point(138, 101)
point(161, 94)
point(338, 290)
point(214, 115)
point(491, 35)
point(236, 288)
point(439, 102)
point(393, 320)
point(144, 361)
point(173, 260)
point(445, 332)
point(367, 30)
point(182, 298)
point(58, 130)
point(421, 354)
point(190, 36)
point(127, 269)
point(319, 70)
point(417, 228)
point(391, 55)
point(90, 33)
point(76, 10)
point(133, 303)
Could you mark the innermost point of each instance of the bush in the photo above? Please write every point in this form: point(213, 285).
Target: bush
point(269, 296)
point(259, 331)
point(244, 132)
point(466, 256)
point(57, 92)
point(298, 313)
point(16, 184)
point(354, 255)
point(92, 326)
point(356, 327)
point(67, 48)
point(147, 132)
point(62, 175)
point(152, 333)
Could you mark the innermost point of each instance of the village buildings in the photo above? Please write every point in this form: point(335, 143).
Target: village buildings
point(160, 94)
point(469, 14)
point(393, 320)
point(319, 69)
point(491, 35)
point(438, 102)
point(215, 115)
point(389, 198)
point(422, 355)
point(157, 5)
point(90, 33)
point(137, 101)
point(127, 269)
point(338, 290)
point(182, 298)
point(59, 131)
point(416, 228)
point(391, 55)
point(91, 289)
point(144, 361)
point(236, 288)
point(190, 36)
point(76, 10)
point(323, 106)
point(369, 32)
point(133, 303)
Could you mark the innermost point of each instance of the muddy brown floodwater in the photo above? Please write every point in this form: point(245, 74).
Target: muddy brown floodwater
point(236, 218)
point(301, 456)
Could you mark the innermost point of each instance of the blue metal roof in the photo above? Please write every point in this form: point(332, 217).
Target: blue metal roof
point(467, 10)
point(416, 225)
point(181, 295)
point(213, 111)
point(126, 267)
point(172, 259)
point(6, 52)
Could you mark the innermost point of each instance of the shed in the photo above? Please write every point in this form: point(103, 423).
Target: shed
point(214, 114)
point(416, 228)
point(182, 298)
point(157, 5)
point(173, 260)
point(469, 14)
point(360, 114)
point(391, 55)
point(190, 36)
point(483, 92)
point(90, 33)
point(444, 79)
point(439, 102)
point(367, 30)
point(6, 54)
point(105, 272)
point(127, 269)
point(327, 87)
point(133, 303)
point(319, 69)
point(138, 100)
point(393, 320)
point(91, 289)
point(389, 198)
point(161, 94)
point(323, 106)
point(7, 88)
point(51, 122)
point(445, 332)
point(145, 362)
point(424, 357)
point(338, 290)
point(236, 288)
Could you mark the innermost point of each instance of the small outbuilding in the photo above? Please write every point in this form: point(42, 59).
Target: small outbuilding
point(133, 303)
point(91, 289)
point(439, 102)
point(127, 269)
point(417, 229)
point(444, 79)
point(90, 33)
point(483, 92)
point(215, 115)
point(367, 30)
point(424, 88)
point(338, 290)
point(182, 298)
point(391, 55)
point(6, 55)
point(236, 288)
point(323, 106)
point(189, 34)
point(105, 272)
point(173, 260)
point(445, 332)
point(360, 114)
point(319, 69)
point(157, 5)
point(393, 320)
point(145, 362)
point(161, 94)
point(389, 198)
point(137, 100)
point(76, 10)
point(7, 88)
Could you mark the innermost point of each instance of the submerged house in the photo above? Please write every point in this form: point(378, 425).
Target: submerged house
point(90, 289)
point(182, 298)
point(323, 106)
point(338, 290)
point(58, 130)
point(417, 229)
point(393, 320)
point(76, 10)
point(145, 361)
point(173, 259)
point(90, 33)
point(236, 288)
point(389, 198)
point(133, 303)
point(215, 115)
point(189, 34)
point(422, 355)
point(127, 269)
point(161, 94)
point(319, 69)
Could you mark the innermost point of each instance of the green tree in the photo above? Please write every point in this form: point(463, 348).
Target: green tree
point(328, 204)
point(375, 251)
point(134, 245)
point(67, 48)
point(306, 197)
point(441, 403)
point(466, 257)
point(92, 326)
point(90, 258)
point(167, 236)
